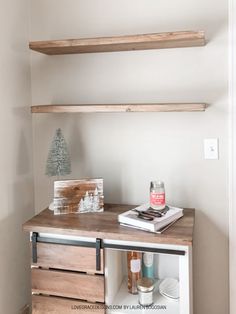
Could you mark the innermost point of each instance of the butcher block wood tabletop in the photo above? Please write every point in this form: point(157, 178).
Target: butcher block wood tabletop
point(105, 225)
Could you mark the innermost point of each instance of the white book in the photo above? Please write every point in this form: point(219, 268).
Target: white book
point(147, 230)
point(131, 218)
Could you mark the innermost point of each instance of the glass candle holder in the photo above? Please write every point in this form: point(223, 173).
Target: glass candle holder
point(145, 288)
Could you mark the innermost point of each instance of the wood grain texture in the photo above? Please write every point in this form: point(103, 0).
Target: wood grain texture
point(120, 43)
point(55, 305)
point(105, 226)
point(68, 284)
point(99, 108)
point(73, 196)
point(68, 257)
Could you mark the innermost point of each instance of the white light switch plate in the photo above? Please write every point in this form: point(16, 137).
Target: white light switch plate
point(211, 148)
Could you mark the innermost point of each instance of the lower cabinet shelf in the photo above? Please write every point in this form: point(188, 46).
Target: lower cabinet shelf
point(126, 303)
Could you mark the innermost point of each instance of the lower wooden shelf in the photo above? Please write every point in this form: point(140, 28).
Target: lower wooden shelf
point(92, 108)
point(126, 303)
point(120, 43)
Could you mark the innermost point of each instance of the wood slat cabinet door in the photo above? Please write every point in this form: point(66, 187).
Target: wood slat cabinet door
point(75, 258)
point(55, 305)
point(68, 284)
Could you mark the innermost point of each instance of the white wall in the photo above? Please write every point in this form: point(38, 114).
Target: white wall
point(16, 180)
point(129, 150)
point(232, 95)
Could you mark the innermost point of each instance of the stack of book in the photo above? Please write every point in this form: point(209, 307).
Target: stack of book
point(145, 218)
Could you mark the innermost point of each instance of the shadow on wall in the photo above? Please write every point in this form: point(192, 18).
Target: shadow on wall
point(82, 168)
point(77, 146)
point(17, 208)
point(210, 265)
point(14, 247)
point(23, 160)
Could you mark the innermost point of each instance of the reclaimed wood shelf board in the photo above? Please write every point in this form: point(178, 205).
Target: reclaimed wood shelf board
point(174, 107)
point(120, 43)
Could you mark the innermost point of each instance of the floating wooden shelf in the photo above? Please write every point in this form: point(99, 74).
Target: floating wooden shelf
point(120, 43)
point(174, 107)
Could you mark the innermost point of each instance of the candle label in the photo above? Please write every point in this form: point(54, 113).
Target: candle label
point(146, 299)
point(157, 198)
point(135, 265)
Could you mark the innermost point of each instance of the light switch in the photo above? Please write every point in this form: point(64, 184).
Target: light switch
point(211, 148)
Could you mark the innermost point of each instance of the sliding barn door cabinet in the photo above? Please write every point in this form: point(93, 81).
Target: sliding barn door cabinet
point(79, 263)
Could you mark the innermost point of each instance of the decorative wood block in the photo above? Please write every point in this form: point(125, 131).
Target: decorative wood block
point(68, 284)
point(68, 257)
point(113, 108)
point(78, 196)
point(120, 43)
point(55, 305)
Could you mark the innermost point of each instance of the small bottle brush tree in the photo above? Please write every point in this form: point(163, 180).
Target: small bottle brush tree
point(58, 161)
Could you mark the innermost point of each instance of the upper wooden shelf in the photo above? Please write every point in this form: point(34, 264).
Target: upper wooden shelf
point(174, 107)
point(120, 43)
